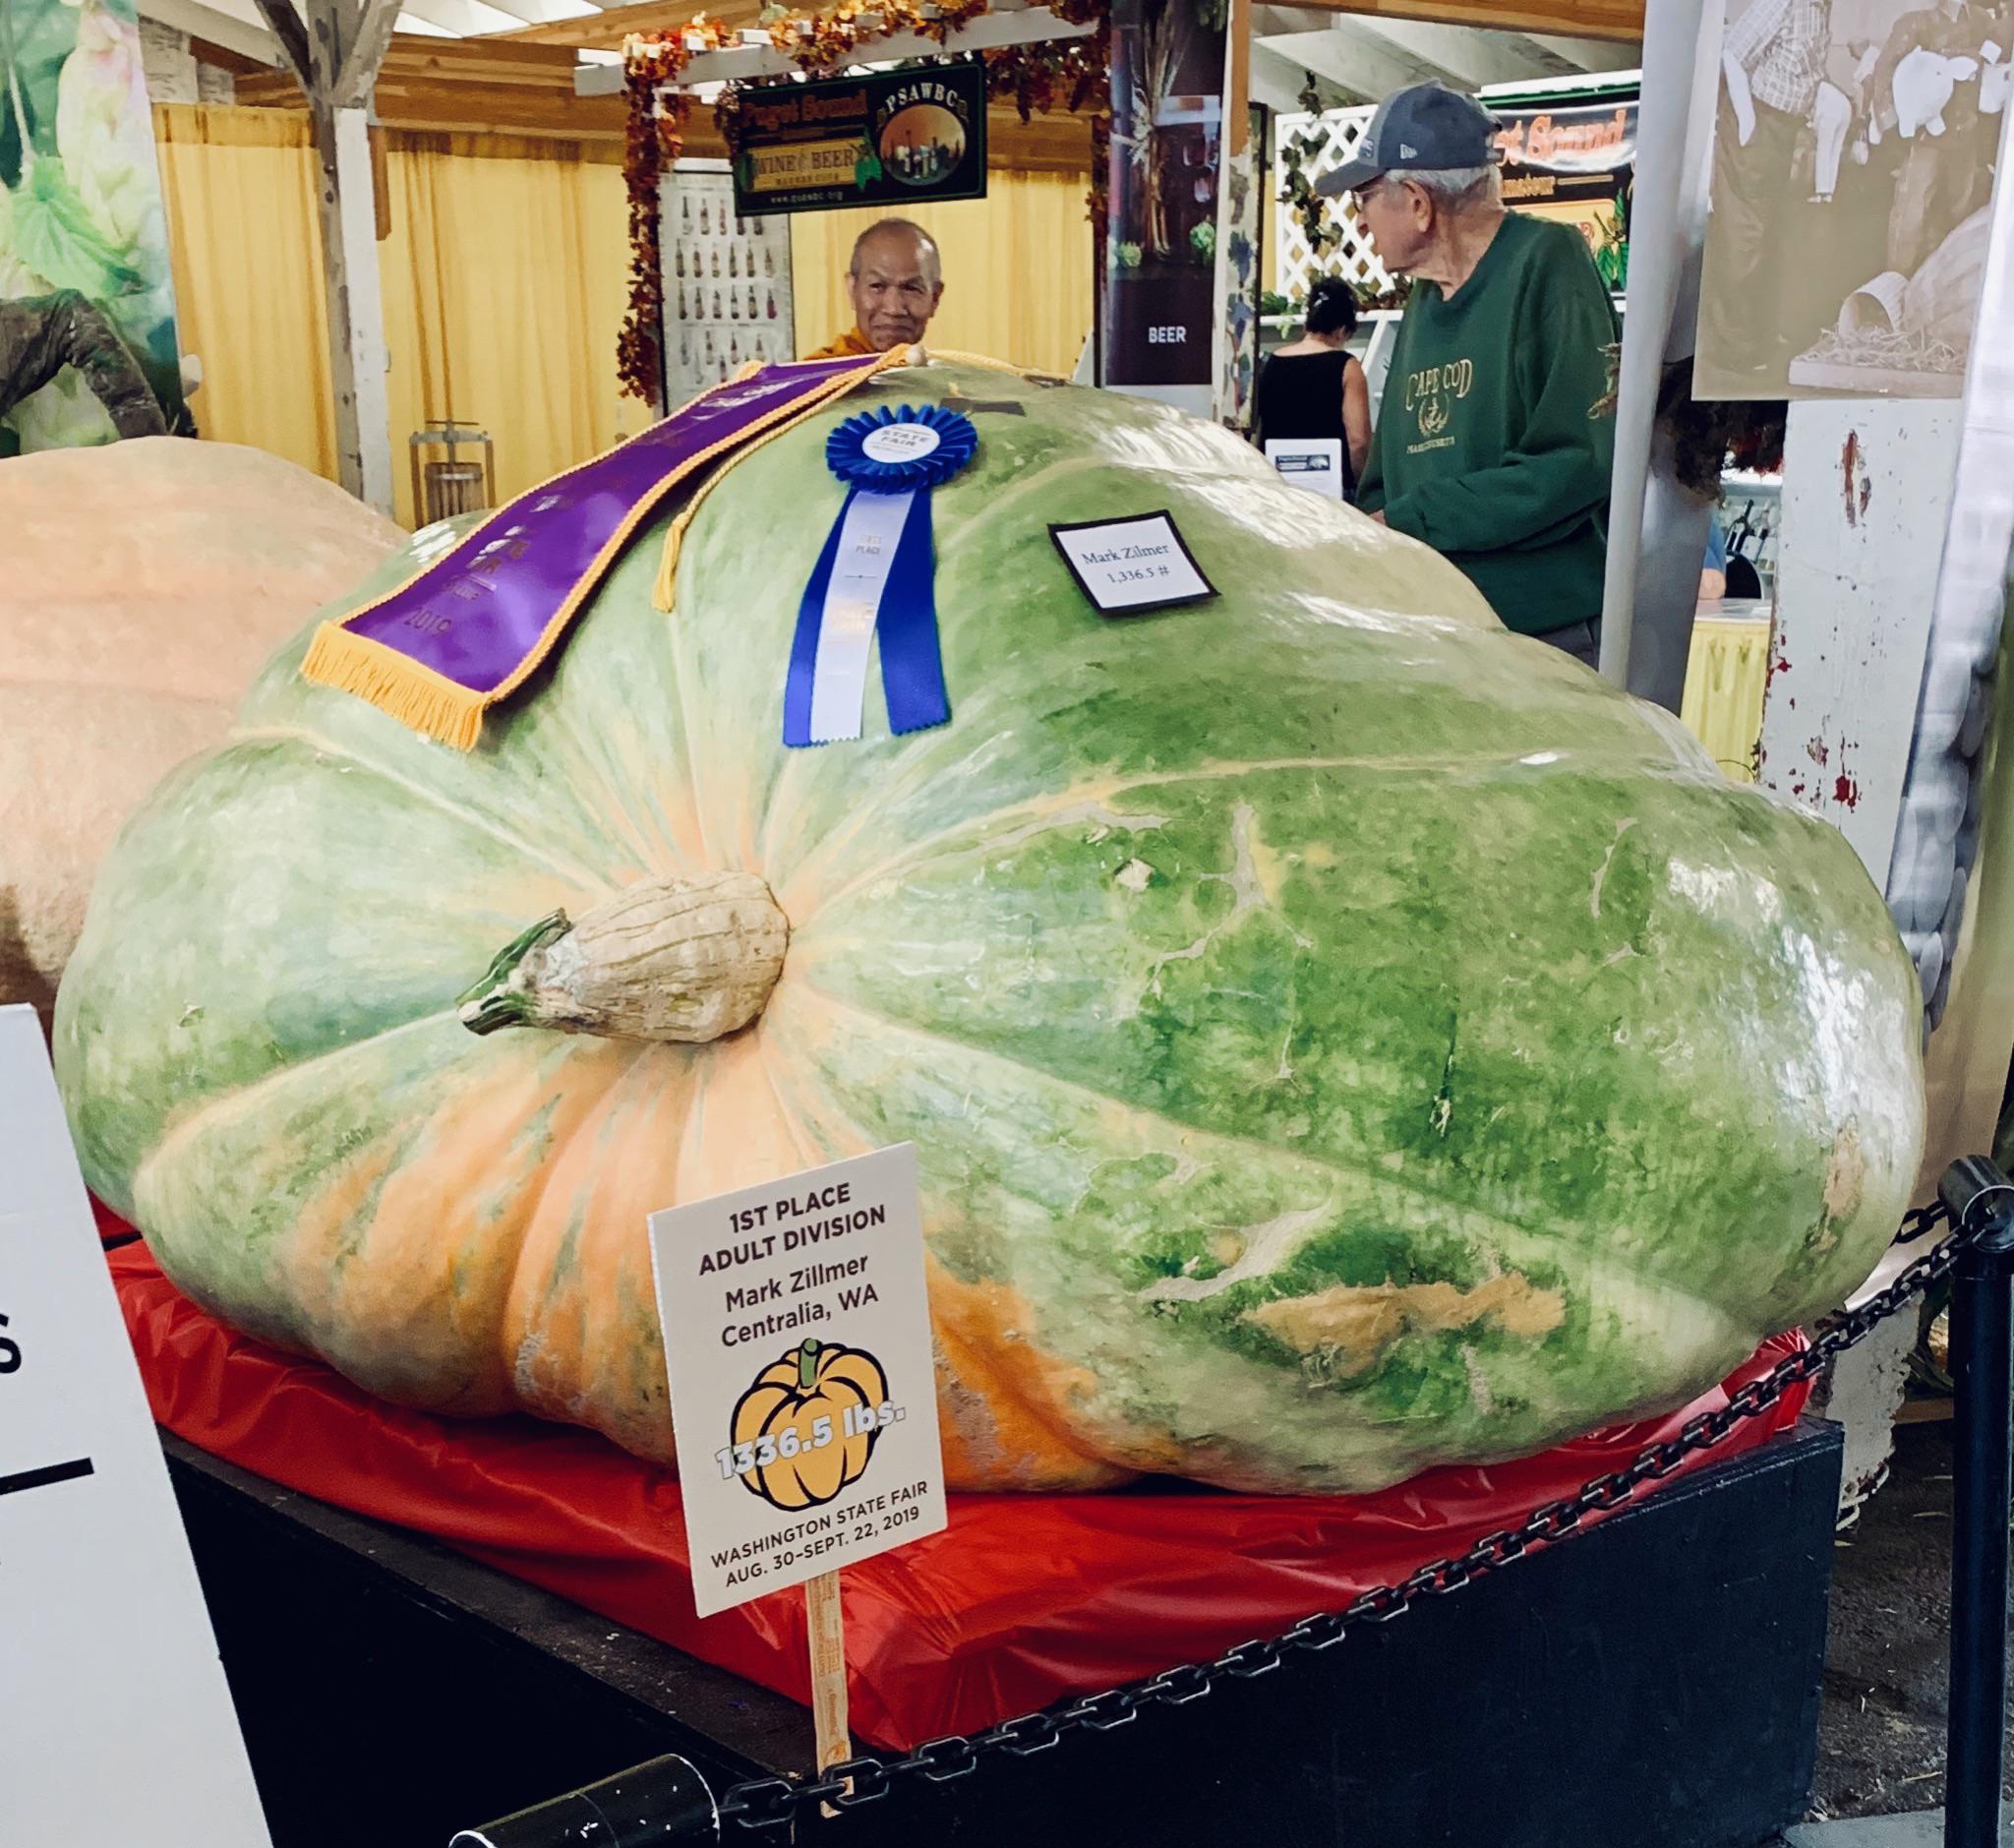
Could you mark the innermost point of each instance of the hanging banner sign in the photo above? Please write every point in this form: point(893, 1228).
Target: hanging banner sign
point(1581, 150)
point(888, 138)
point(1170, 71)
point(478, 620)
point(876, 572)
point(116, 1724)
point(796, 1326)
point(1575, 166)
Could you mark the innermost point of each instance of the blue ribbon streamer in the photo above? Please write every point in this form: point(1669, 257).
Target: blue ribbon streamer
point(845, 448)
point(911, 663)
point(906, 622)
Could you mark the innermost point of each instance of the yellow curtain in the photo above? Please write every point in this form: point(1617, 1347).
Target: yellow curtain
point(503, 284)
point(239, 186)
point(1017, 270)
point(1726, 673)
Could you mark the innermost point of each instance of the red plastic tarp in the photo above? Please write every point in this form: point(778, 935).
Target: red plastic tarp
point(1024, 1600)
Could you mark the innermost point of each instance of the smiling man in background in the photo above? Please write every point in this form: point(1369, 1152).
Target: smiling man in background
point(895, 282)
point(1494, 438)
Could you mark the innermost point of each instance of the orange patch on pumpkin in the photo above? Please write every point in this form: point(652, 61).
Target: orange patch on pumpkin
point(579, 1331)
point(417, 1239)
point(997, 1394)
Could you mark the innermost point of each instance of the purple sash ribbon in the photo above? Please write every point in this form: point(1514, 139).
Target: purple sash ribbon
point(471, 627)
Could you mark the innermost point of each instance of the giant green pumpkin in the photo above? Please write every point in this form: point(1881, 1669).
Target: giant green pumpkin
point(1340, 1036)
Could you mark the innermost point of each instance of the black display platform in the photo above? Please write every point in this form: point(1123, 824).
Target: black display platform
point(1651, 1684)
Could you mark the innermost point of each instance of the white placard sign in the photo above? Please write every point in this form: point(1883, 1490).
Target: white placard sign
point(803, 1386)
point(1315, 463)
point(116, 1724)
point(1128, 566)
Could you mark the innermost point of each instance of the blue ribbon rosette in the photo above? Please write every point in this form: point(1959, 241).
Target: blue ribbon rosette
point(876, 575)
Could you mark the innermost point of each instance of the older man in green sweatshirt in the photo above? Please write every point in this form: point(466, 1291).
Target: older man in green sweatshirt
point(1494, 439)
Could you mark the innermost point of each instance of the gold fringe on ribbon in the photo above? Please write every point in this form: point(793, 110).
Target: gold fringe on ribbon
point(665, 592)
point(396, 683)
point(440, 708)
point(664, 595)
point(983, 364)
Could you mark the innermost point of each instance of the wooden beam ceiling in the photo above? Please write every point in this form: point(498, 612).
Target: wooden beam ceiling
point(1576, 19)
point(224, 58)
point(521, 82)
point(1570, 23)
point(470, 86)
point(607, 31)
point(507, 87)
point(1607, 19)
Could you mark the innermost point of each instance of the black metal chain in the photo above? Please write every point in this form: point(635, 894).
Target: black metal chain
point(764, 1803)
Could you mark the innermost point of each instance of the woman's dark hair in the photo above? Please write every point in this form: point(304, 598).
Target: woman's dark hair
point(1707, 434)
point(1332, 307)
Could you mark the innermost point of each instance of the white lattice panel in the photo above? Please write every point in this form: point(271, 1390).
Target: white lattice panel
point(1295, 265)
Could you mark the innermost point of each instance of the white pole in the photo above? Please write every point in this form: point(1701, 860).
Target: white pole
point(1936, 834)
point(1667, 232)
point(356, 218)
point(334, 51)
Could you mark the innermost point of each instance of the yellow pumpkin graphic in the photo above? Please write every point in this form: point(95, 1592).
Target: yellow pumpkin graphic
point(809, 1423)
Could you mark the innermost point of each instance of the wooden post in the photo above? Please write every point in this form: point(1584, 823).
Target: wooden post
point(827, 1625)
point(1240, 214)
point(335, 54)
point(825, 1621)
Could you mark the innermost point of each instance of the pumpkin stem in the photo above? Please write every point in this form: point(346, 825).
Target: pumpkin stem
point(489, 1004)
point(681, 959)
point(808, 1365)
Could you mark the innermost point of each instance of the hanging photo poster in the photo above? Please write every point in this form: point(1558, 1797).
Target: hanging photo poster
point(1161, 307)
point(883, 138)
point(1854, 157)
point(727, 281)
point(85, 285)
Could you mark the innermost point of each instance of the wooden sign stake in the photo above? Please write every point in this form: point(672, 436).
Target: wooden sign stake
point(827, 1622)
point(829, 1402)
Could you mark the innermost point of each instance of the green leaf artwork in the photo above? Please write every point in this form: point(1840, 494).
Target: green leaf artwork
point(55, 236)
point(79, 198)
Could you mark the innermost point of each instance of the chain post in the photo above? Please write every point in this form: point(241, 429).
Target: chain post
point(658, 1803)
point(1982, 1201)
point(1978, 1198)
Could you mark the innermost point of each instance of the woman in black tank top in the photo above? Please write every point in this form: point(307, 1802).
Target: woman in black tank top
point(1314, 389)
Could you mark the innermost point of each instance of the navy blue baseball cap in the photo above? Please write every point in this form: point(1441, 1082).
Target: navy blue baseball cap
point(1424, 128)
